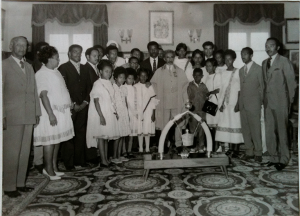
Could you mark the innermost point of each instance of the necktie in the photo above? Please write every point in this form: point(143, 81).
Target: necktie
point(269, 63)
point(154, 66)
point(245, 70)
point(78, 67)
point(22, 64)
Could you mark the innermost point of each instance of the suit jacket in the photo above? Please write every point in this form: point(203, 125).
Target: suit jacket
point(280, 83)
point(252, 88)
point(79, 86)
point(147, 64)
point(21, 103)
point(90, 70)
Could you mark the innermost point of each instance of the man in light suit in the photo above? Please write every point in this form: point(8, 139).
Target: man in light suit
point(280, 85)
point(21, 110)
point(153, 62)
point(250, 102)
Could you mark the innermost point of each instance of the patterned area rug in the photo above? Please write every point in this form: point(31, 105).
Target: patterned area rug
point(249, 190)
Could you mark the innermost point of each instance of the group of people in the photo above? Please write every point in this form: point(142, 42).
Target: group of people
point(76, 109)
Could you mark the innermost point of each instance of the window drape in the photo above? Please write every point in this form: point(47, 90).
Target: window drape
point(70, 14)
point(246, 14)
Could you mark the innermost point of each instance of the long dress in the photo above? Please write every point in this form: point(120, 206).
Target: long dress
point(123, 121)
point(132, 108)
point(213, 82)
point(59, 98)
point(102, 89)
point(146, 104)
point(229, 125)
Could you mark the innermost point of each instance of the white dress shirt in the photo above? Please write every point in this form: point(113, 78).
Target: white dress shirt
point(94, 67)
point(273, 58)
point(248, 66)
point(152, 60)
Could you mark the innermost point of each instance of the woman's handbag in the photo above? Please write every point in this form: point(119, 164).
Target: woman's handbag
point(210, 108)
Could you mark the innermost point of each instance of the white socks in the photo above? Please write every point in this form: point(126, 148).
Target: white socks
point(141, 139)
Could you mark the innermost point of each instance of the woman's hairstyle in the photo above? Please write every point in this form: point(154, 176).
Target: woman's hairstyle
point(131, 71)
point(221, 52)
point(143, 70)
point(118, 71)
point(212, 61)
point(181, 46)
point(195, 52)
point(104, 63)
point(46, 53)
point(231, 53)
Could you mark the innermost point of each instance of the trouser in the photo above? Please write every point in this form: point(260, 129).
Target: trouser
point(38, 155)
point(251, 129)
point(73, 151)
point(16, 151)
point(276, 134)
point(179, 126)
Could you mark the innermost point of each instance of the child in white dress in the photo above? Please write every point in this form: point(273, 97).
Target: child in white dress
point(102, 116)
point(132, 108)
point(122, 110)
point(146, 104)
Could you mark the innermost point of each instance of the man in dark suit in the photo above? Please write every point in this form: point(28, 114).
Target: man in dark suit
point(250, 102)
point(280, 85)
point(153, 62)
point(92, 56)
point(79, 85)
point(21, 110)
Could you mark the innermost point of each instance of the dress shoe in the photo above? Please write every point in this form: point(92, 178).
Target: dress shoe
point(246, 157)
point(269, 163)
point(258, 159)
point(52, 178)
point(59, 173)
point(280, 166)
point(39, 168)
point(12, 194)
point(25, 189)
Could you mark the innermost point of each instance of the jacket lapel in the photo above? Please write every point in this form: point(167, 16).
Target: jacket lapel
point(17, 70)
point(271, 69)
point(73, 69)
point(251, 69)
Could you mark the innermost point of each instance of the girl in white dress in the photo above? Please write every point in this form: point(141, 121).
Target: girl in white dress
point(146, 105)
point(219, 56)
point(102, 115)
point(180, 59)
point(229, 124)
point(122, 110)
point(132, 108)
point(55, 124)
point(213, 84)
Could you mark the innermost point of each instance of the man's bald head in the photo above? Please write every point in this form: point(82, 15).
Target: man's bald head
point(18, 46)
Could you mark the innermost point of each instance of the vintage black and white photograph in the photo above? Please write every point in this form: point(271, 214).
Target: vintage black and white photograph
point(150, 108)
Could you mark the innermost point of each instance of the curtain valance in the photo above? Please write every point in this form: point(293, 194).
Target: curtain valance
point(69, 14)
point(248, 13)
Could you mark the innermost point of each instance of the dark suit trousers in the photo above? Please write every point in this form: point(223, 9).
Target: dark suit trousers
point(251, 129)
point(16, 150)
point(73, 151)
point(276, 134)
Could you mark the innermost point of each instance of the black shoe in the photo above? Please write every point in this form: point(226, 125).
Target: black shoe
point(12, 194)
point(258, 159)
point(269, 163)
point(39, 168)
point(280, 166)
point(246, 157)
point(25, 189)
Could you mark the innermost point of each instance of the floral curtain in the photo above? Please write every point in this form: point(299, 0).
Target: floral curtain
point(246, 14)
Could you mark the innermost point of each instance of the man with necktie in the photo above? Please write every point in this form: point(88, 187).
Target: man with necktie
point(153, 62)
point(79, 85)
point(250, 102)
point(21, 110)
point(280, 85)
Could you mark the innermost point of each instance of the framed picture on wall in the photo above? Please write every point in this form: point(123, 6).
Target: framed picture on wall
point(292, 30)
point(161, 27)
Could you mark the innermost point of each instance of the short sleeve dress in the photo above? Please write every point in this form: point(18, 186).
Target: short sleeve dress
point(57, 92)
point(123, 121)
point(102, 89)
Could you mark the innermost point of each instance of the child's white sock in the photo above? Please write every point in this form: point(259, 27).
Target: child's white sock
point(147, 139)
point(141, 137)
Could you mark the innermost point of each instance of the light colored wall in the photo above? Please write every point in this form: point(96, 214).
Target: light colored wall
point(135, 15)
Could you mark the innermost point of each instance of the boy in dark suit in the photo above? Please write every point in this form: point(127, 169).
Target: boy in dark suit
point(79, 85)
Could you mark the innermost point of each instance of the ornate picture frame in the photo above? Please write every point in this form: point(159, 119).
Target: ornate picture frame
point(161, 27)
point(292, 30)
